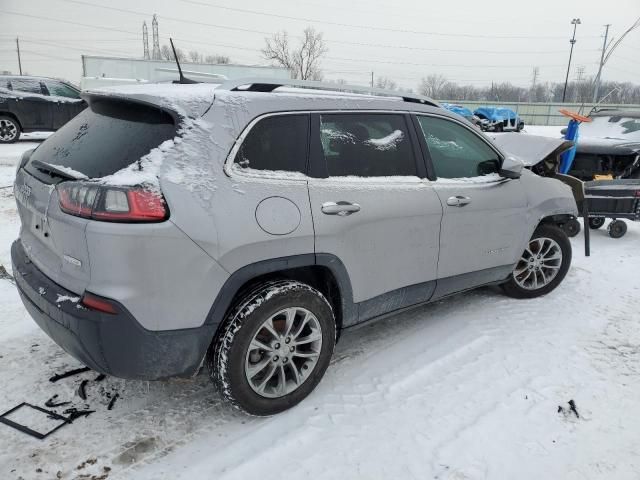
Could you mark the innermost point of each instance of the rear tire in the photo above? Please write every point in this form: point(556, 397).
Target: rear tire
point(596, 222)
point(9, 129)
point(543, 264)
point(274, 348)
point(572, 228)
point(617, 229)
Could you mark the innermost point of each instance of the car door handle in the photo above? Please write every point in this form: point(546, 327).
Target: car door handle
point(340, 208)
point(458, 201)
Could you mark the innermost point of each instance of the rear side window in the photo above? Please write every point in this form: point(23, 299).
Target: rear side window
point(26, 85)
point(105, 138)
point(366, 145)
point(61, 90)
point(277, 143)
point(455, 151)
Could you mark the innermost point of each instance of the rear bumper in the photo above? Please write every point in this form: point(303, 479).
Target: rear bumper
point(113, 344)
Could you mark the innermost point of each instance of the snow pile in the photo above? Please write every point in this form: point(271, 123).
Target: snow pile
point(188, 100)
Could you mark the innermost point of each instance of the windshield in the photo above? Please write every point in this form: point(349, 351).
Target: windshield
point(623, 128)
point(105, 138)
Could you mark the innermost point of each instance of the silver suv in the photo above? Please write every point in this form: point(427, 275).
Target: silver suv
point(244, 226)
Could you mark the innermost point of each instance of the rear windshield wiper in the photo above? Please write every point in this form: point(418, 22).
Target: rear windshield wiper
point(54, 171)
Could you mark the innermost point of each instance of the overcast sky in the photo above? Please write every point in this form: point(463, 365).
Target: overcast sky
point(469, 41)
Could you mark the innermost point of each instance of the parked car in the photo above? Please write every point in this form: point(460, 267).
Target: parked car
point(246, 226)
point(468, 115)
point(499, 119)
point(34, 104)
point(609, 145)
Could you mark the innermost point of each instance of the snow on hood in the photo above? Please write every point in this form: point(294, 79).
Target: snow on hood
point(50, 98)
point(530, 149)
point(188, 100)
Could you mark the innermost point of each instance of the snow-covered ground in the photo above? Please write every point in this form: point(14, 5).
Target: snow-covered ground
point(467, 388)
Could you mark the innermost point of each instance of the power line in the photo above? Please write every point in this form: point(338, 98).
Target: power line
point(341, 42)
point(366, 27)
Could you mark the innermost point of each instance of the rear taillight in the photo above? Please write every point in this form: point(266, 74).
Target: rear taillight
point(111, 204)
point(93, 302)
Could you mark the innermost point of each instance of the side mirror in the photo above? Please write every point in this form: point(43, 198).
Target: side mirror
point(511, 168)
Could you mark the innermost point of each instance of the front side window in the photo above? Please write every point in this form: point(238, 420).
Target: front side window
point(455, 151)
point(26, 85)
point(61, 90)
point(366, 145)
point(277, 143)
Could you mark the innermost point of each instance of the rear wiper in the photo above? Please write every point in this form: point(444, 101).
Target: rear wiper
point(50, 169)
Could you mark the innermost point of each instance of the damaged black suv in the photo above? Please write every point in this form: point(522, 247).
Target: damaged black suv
point(609, 145)
point(35, 104)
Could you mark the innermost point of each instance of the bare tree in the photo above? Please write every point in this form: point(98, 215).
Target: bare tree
point(386, 83)
point(303, 61)
point(217, 59)
point(167, 53)
point(432, 85)
point(195, 56)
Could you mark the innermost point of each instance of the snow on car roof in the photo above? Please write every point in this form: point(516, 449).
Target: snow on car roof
point(189, 100)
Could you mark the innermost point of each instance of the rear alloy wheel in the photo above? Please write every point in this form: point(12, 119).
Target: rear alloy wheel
point(9, 130)
point(275, 347)
point(596, 222)
point(543, 264)
point(617, 229)
point(572, 227)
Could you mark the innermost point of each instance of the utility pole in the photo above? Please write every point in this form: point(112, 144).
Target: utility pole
point(371, 79)
point(604, 48)
point(19, 60)
point(575, 22)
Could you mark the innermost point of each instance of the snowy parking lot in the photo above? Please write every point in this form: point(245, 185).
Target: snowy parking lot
point(473, 387)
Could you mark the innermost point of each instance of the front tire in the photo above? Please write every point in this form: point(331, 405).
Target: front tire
point(274, 348)
point(9, 129)
point(543, 264)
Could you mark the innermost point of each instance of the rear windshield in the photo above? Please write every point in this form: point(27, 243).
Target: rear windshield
point(103, 139)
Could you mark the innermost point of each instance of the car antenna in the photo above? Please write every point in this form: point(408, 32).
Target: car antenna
point(182, 79)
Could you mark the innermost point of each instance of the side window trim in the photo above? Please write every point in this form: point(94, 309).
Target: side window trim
point(317, 164)
point(235, 148)
point(423, 141)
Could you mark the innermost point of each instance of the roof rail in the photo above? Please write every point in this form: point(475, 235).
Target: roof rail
point(270, 84)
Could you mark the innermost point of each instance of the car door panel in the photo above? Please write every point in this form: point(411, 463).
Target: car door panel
point(485, 216)
point(390, 243)
point(484, 235)
point(383, 227)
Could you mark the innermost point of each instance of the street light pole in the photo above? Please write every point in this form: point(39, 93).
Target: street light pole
point(575, 22)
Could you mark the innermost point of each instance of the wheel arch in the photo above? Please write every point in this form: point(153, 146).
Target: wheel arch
point(325, 272)
point(558, 219)
point(4, 113)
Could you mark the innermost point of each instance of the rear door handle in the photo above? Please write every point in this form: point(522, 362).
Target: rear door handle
point(340, 208)
point(458, 201)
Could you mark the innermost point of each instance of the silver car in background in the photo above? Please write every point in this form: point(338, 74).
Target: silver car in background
point(245, 225)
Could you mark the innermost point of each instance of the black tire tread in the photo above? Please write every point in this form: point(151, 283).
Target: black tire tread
point(217, 358)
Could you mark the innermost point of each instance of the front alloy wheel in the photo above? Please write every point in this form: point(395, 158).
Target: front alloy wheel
point(539, 264)
point(543, 264)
